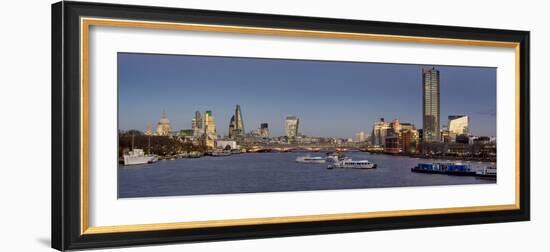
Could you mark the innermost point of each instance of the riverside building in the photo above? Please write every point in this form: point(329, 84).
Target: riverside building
point(379, 132)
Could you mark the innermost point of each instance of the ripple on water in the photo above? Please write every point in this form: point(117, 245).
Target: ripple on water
point(275, 172)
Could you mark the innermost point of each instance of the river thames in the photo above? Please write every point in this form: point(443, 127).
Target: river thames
point(275, 172)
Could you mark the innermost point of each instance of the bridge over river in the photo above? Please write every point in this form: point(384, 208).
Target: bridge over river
point(302, 147)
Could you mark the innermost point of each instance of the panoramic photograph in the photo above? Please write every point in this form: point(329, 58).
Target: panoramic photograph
point(200, 125)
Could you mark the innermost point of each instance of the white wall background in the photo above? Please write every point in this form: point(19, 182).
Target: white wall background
point(25, 125)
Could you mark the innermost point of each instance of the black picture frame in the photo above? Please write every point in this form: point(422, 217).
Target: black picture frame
point(66, 153)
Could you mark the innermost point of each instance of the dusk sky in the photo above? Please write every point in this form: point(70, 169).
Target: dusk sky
point(331, 98)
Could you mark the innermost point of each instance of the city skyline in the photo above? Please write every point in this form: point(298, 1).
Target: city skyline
point(323, 94)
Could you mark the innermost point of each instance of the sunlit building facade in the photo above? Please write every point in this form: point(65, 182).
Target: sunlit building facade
point(163, 126)
point(396, 126)
point(264, 130)
point(197, 125)
point(361, 137)
point(379, 132)
point(392, 143)
point(459, 124)
point(227, 144)
point(292, 124)
point(409, 140)
point(210, 135)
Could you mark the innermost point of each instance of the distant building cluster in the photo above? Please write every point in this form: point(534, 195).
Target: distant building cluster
point(203, 131)
point(264, 130)
point(394, 136)
point(386, 136)
point(260, 133)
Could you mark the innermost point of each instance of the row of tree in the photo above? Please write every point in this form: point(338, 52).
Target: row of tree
point(158, 145)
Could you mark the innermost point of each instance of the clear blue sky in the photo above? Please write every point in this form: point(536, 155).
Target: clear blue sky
point(331, 98)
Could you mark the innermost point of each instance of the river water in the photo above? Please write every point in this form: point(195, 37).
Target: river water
point(274, 172)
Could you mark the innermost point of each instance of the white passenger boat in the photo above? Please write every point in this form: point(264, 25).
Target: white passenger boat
point(335, 157)
point(490, 172)
point(311, 160)
point(352, 164)
point(137, 156)
point(332, 158)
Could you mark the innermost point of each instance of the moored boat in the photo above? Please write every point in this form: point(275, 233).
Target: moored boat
point(194, 154)
point(335, 157)
point(352, 164)
point(311, 160)
point(490, 172)
point(444, 168)
point(137, 156)
point(221, 153)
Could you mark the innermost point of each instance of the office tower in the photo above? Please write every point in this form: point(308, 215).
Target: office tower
point(458, 124)
point(197, 125)
point(292, 123)
point(210, 134)
point(430, 105)
point(236, 124)
point(361, 137)
point(264, 130)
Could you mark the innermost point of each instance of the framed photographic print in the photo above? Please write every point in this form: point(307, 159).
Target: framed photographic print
point(180, 125)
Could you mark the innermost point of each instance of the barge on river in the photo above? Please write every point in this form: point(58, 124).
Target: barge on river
point(444, 168)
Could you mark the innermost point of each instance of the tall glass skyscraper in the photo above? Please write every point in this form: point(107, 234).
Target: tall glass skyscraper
point(236, 124)
point(292, 124)
point(197, 125)
point(430, 105)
